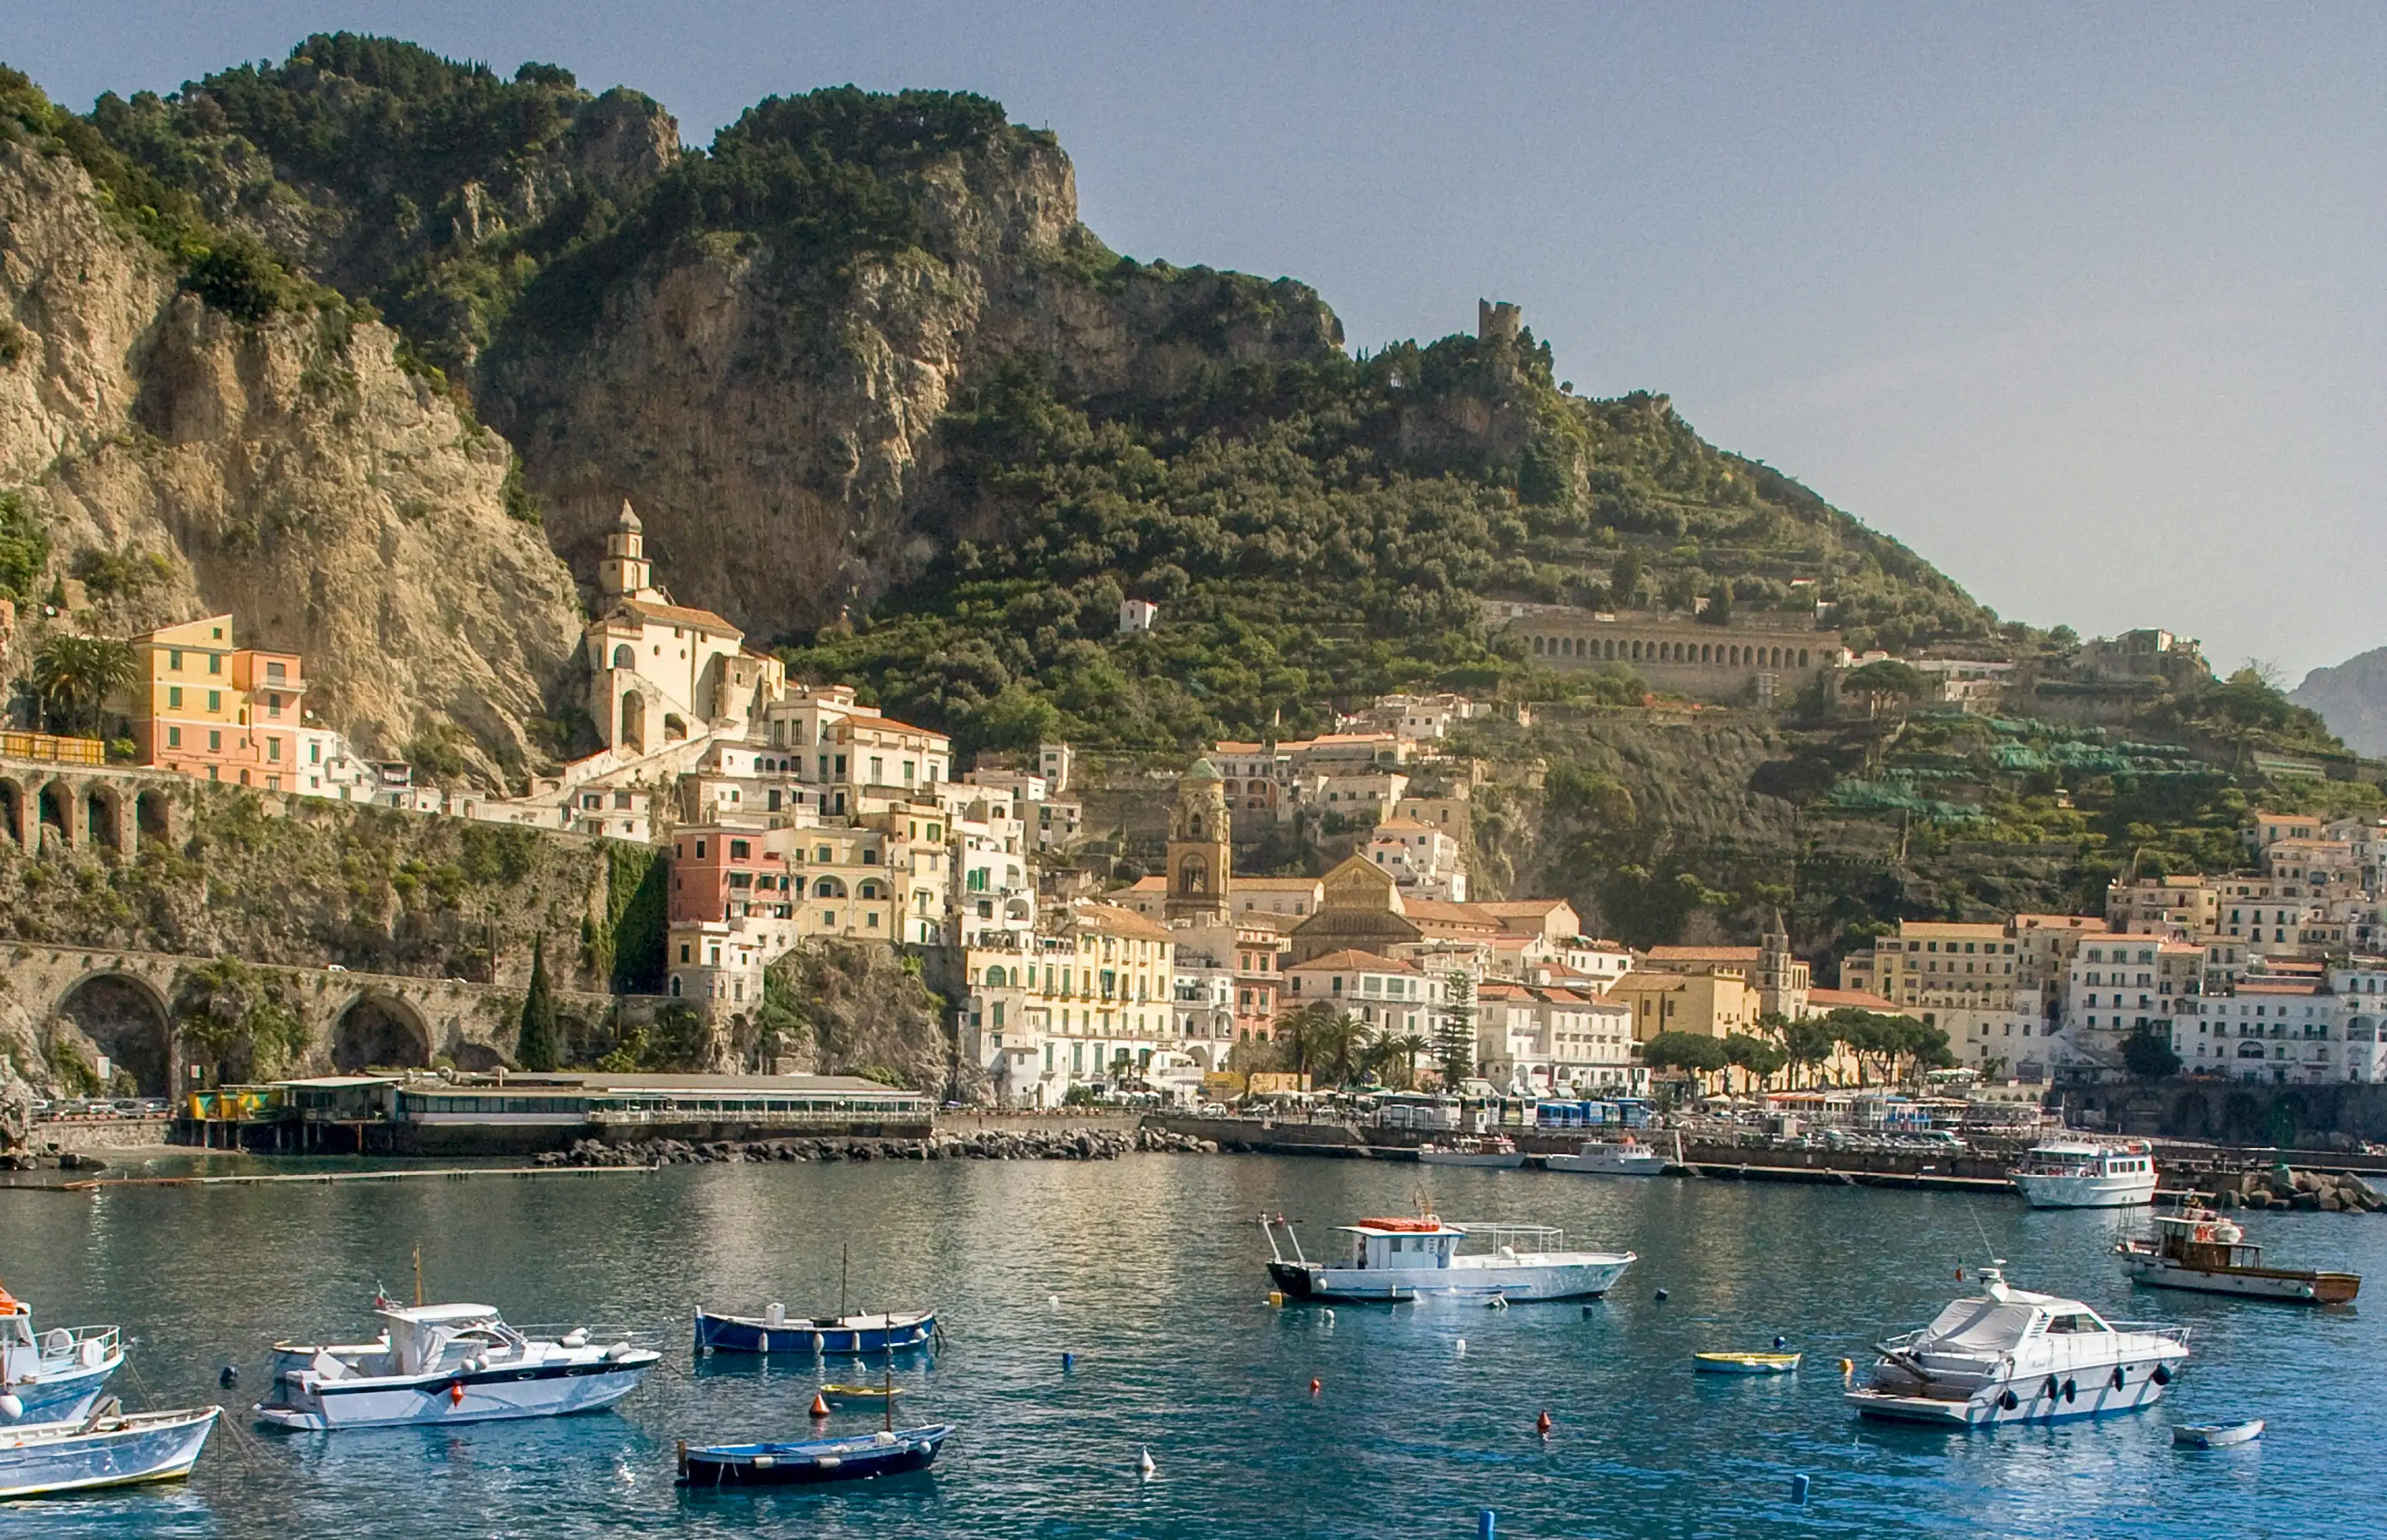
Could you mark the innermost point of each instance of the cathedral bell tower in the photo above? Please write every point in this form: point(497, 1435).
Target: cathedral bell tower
point(625, 573)
point(1198, 848)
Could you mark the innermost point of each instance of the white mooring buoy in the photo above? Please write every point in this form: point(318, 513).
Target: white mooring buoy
point(1143, 1463)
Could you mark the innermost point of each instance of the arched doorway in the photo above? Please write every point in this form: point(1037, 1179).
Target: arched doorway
point(125, 1019)
point(478, 1058)
point(55, 800)
point(104, 817)
point(379, 1032)
point(155, 817)
point(12, 810)
point(632, 734)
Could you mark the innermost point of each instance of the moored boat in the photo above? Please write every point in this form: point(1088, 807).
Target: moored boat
point(860, 1457)
point(1497, 1151)
point(447, 1363)
point(111, 1448)
point(2010, 1355)
point(860, 1396)
point(1393, 1260)
point(2197, 1249)
point(2087, 1173)
point(776, 1332)
point(1743, 1363)
point(52, 1376)
point(2216, 1436)
point(1618, 1157)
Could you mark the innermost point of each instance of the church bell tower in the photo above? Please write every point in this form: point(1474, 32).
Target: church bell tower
point(1199, 851)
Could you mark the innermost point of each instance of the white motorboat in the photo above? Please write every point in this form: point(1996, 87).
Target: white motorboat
point(2197, 1249)
point(1497, 1151)
point(2009, 1356)
point(2087, 1173)
point(51, 1376)
point(1622, 1158)
point(108, 1448)
point(447, 1363)
point(1403, 1259)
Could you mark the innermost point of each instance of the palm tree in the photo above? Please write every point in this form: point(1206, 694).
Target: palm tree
point(1341, 1042)
point(73, 678)
point(1399, 1051)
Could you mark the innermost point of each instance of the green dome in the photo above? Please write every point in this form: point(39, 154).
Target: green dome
point(1204, 771)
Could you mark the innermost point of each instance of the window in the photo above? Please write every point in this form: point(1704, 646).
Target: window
point(273, 748)
point(740, 850)
point(277, 671)
point(215, 741)
point(214, 662)
point(272, 704)
point(215, 699)
point(174, 697)
point(173, 737)
point(174, 658)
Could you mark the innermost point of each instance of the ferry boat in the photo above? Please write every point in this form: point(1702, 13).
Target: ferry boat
point(114, 1448)
point(2196, 1248)
point(447, 1363)
point(52, 1376)
point(1392, 1261)
point(1623, 1158)
point(1497, 1151)
point(2087, 1173)
point(2010, 1355)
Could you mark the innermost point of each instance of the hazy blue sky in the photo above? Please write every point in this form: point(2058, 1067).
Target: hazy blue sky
point(2089, 305)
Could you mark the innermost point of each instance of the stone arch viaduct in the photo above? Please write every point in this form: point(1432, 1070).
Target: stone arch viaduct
point(124, 1001)
point(48, 803)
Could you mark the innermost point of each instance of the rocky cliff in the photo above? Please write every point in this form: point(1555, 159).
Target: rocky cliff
point(2352, 698)
point(287, 470)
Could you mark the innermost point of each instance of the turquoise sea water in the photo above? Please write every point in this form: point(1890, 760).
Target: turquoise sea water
point(1156, 1261)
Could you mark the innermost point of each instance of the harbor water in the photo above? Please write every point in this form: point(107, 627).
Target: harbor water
point(1148, 1271)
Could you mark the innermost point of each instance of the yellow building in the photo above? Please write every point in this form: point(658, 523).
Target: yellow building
point(202, 706)
point(1712, 1005)
point(1089, 1000)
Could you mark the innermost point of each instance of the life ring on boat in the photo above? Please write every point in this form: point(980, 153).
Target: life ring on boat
point(2008, 1401)
point(2162, 1375)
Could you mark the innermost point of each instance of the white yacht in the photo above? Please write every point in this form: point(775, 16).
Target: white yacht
point(1497, 1151)
point(2008, 1356)
point(2087, 1173)
point(447, 1363)
point(1623, 1158)
point(1392, 1261)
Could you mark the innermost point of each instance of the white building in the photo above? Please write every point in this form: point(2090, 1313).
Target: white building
point(1137, 614)
point(1533, 1040)
point(2281, 1032)
point(1423, 862)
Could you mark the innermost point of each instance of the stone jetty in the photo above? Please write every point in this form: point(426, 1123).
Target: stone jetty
point(980, 1144)
point(2281, 1188)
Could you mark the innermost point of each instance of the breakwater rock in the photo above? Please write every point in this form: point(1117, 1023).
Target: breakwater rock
point(2305, 1190)
point(980, 1145)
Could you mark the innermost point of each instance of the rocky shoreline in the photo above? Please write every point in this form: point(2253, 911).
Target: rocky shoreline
point(2310, 1191)
point(984, 1144)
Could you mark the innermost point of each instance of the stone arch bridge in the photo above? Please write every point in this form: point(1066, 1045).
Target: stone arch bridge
point(123, 1001)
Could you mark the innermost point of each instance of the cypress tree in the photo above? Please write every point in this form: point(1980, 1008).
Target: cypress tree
point(538, 1046)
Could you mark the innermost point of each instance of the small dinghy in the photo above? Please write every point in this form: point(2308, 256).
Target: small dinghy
point(775, 1330)
point(860, 1457)
point(107, 1448)
point(861, 1395)
point(1743, 1363)
point(2216, 1436)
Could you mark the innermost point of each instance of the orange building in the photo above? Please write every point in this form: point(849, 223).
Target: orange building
point(203, 707)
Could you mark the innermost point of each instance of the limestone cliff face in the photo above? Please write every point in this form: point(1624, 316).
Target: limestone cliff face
point(778, 431)
point(289, 472)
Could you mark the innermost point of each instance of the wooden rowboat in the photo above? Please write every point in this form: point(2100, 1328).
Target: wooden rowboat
point(1745, 1363)
point(865, 1394)
point(823, 1460)
point(2216, 1436)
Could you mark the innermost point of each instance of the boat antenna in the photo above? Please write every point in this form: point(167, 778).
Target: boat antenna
point(887, 1402)
point(418, 1275)
point(1987, 1250)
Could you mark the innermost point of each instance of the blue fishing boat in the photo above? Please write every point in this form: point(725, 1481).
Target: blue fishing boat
point(860, 1457)
point(51, 1376)
point(108, 1448)
point(775, 1330)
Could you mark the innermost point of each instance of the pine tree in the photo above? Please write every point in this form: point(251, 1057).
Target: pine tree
point(539, 1046)
point(1454, 1034)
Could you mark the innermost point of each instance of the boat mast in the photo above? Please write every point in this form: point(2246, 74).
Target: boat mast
point(418, 1275)
point(888, 1406)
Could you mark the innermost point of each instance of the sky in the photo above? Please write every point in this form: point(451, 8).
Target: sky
point(2087, 305)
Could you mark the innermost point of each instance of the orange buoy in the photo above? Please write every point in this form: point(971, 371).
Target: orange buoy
point(1542, 1424)
point(1316, 1385)
point(456, 1393)
point(820, 1405)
